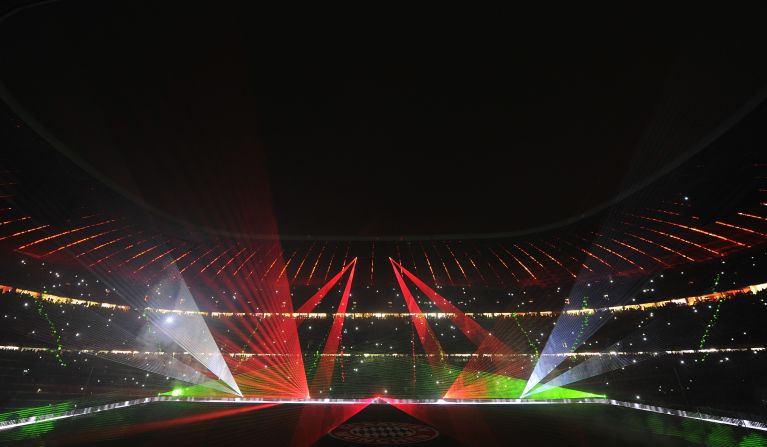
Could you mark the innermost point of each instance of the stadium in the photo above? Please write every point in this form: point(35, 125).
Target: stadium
point(209, 238)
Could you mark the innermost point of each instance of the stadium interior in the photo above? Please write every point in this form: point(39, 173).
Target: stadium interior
point(210, 239)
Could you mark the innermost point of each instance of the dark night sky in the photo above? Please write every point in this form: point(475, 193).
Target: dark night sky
point(227, 117)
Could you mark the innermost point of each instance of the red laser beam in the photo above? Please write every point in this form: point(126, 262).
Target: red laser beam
point(529, 272)
point(106, 244)
point(102, 434)
point(19, 233)
point(285, 267)
point(80, 241)
point(226, 264)
point(697, 230)
point(473, 331)
point(753, 216)
point(330, 263)
point(346, 254)
point(175, 261)
point(616, 254)
point(572, 257)
point(492, 269)
point(530, 256)
point(747, 230)
point(20, 219)
point(458, 263)
point(487, 343)
point(503, 263)
point(195, 260)
point(429, 342)
point(324, 373)
point(314, 267)
point(444, 266)
point(237, 270)
point(631, 247)
point(214, 260)
point(141, 253)
point(298, 270)
point(680, 239)
point(270, 267)
point(428, 263)
point(473, 264)
point(412, 257)
point(264, 256)
point(669, 249)
point(123, 249)
point(552, 259)
point(153, 260)
point(63, 233)
point(312, 302)
point(372, 262)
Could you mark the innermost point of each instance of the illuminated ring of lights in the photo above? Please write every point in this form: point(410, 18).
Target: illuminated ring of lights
point(384, 433)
